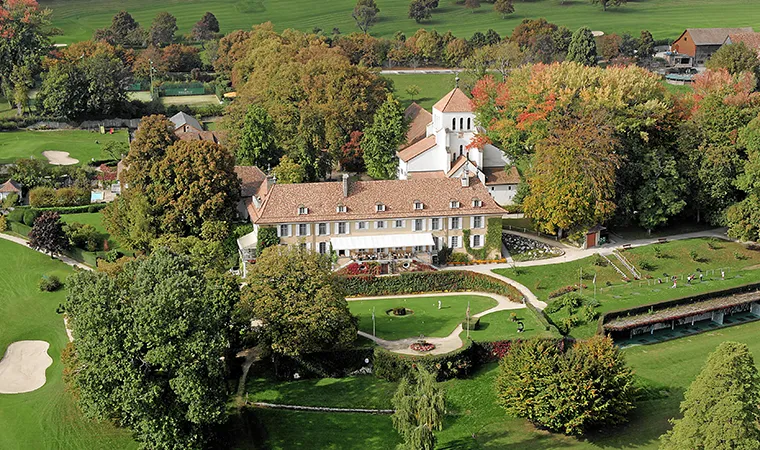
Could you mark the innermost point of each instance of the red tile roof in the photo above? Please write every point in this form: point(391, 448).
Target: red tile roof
point(217, 137)
point(499, 175)
point(398, 196)
point(251, 178)
point(418, 119)
point(454, 101)
point(751, 40)
point(10, 186)
point(416, 149)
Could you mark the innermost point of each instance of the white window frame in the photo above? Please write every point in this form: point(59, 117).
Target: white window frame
point(345, 227)
point(473, 220)
point(458, 223)
point(380, 225)
point(479, 244)
point(287, 230)
point(454, 204)
point(476, 203)
point(320, 245)
point(379, 207)
point(454, 241)
point(396, 223)
point(327, 229)
point(419, 205)
point(435, 226)
point(306, 228)
point(340, 208)
point(415, 222)
point(362, 225)
point(302, 210)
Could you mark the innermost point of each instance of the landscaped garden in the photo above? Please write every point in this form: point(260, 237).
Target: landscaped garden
point(474, 420)
point(46, 418)
point(502, 325)
point(521, 248)
point(80, 144)
point(549, 282)
point(421, 314)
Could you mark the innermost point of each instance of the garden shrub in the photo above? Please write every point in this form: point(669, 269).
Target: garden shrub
point(50, 283)
point(30, 215)
point(423, 282)
point(394, 366)
point(458, 257)
point(84, 236)
point(42, 196)
point(45, 197)
point(564, 290)
point(600, 261)
point(3, 224)
point(333, 364)
point(92, 209)
point(646, 265)
point(10, 200)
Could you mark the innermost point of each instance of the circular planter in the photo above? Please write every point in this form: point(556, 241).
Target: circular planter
point(399, 312)
point(422, 347)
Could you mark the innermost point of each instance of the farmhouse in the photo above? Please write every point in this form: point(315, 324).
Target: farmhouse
point(701, 43)
point(440, 145)
point(377, 220)
point(751, 40)
point(188, 128)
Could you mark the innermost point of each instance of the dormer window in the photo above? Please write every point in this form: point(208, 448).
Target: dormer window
point(453, 204)
point(418, 205)
point(302, 210)
point(341, 208)
point(476, 203)
point(379, 207)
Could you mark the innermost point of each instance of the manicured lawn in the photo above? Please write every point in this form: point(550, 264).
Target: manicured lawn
point(427, 318)
point(46, 418)
point(94, 219)
point(475, 421)
point(497, 326)
point(350, 392)
point(79, 18)
point(432, 88)
point(80, 144)
point(676, 260)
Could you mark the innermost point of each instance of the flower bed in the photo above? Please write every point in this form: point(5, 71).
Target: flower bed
point(479, 261)
point(422, 347)
point(525, 249)
point(364, 268)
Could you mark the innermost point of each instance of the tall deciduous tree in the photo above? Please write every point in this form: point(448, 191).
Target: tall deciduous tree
point(291, 292)
point(743, 218)
point(472, 5)
point(152, 138)
point(365, 14)
point(504, 7)
point(736, 58)
point(582, 47)
point(419, 408)
point(645, 48)
point(289, 171)
point(206, 28)
point(606, 3)
point(151, 338)
point(124, 30)
point(47, 234)
point(383, 138)
point(572, 184)
point(162, 29)
point(258, 146)
point(720, 407)
point(421, 10)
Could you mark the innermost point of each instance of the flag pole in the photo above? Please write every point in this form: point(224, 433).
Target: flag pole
point(373, 322)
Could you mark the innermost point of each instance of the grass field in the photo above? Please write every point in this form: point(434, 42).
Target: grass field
point(432, 88)
point(497, 326)
point(474, 421)
point(96, 220)
point(46, 418)
point(664, 18)
point(80, 144)
point(427, 318)
point(675, 260)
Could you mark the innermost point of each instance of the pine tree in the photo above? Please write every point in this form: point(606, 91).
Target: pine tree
point(419, 406)
point(720, 409)
point(646, 45)
point(582, 47)
point(383, 138)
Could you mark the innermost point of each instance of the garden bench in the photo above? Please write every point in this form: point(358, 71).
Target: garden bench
point(626, 246)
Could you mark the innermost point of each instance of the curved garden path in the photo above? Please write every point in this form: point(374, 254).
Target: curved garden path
point(442, 344)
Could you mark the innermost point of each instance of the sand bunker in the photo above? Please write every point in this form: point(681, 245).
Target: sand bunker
point(57, 158)
point(22, 369)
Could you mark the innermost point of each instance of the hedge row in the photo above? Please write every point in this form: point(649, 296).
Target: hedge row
point(424, 282)
point(93, 208)
point(335, 364)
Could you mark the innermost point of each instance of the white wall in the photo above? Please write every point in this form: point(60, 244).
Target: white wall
point(493, 157)
point(503, 194)
point(424, 162)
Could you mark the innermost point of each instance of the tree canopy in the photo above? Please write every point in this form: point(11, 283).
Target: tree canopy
point(47, 234)
point(258, 146)
point(291, 292)
point(150, 338)
point(162, 29)
point(419, 408)
point(582, 47)
point(383, 138)
point(720, 407)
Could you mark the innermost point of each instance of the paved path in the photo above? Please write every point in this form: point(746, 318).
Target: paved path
point(442, 344)
point(408, 71)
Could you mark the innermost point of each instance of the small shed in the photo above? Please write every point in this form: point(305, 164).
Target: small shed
point(8, 188)
point(594, 236)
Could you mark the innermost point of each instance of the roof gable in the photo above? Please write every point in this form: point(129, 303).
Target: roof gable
point(454, 101)
point(10, 186)
point(418, 119)
point(417, 148)
point(713, 36)
point(251, 178)
point(181, 118)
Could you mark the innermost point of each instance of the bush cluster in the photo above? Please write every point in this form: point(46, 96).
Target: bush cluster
point(580, 310)
point(43, 197)
point(50, 283)
point(334, 364)
point(565, 290)
point(394, 366)
point(84, 236)
point(420, 282)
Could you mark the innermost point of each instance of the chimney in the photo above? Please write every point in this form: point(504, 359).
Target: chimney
point(466, 175)
point(266, 186)
point(345, 185)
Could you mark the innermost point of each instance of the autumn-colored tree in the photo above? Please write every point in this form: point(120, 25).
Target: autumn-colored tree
point(151, 57)
point(504, 7)
point(206, 28)
point(152, 138)
point(609, 48)
point(124, 30)
point(181, 58)
point(162, 29)
point(232, 47)
point(289, 171)
point(526, 32)
point(572, 183)
point(735, 58)
point(47, 234)
point(352, 156)
point(472, 4)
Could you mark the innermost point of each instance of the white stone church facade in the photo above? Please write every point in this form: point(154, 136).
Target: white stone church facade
point(437, 148)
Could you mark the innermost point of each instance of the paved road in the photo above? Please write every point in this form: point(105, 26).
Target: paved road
point(442, 344)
